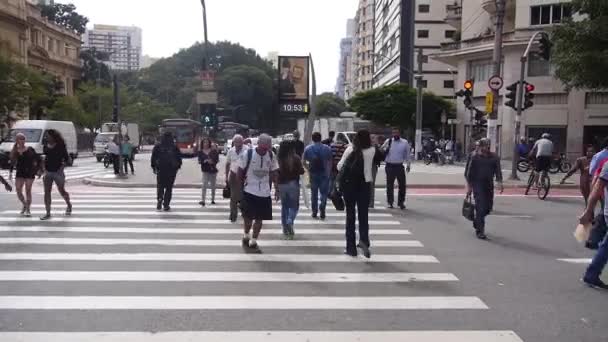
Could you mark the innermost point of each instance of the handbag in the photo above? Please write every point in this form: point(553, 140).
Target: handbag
point(468, 209)
point(337, 199)
point(226, 191)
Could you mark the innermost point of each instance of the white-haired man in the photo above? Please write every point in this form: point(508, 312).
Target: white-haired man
point(258, 168)
point(233, 159)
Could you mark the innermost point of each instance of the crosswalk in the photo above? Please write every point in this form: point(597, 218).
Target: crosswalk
point(76, 172)
point(117, 270)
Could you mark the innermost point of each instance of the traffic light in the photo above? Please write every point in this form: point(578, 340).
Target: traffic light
point(467, 92)
point(512, 95)
point(480, 117)
point(545, 47)
point(528, 95)
point(208, 115)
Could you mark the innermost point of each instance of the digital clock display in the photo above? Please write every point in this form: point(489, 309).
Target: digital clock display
point(294, 108)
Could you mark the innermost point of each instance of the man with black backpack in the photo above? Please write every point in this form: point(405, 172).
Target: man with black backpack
point(165, 161)
point(318, 158)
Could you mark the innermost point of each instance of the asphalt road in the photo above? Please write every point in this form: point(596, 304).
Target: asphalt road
point(510, 288)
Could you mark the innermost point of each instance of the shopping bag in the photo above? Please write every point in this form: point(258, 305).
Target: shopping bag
point(226, 191)
point(582, 232)
point(468, 209)
point(305, 182)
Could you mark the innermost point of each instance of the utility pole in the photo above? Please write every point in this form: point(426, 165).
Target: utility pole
point(206, 98)
point(419, 90)
point(116, 115)
point(310, 124)
point(496, 60)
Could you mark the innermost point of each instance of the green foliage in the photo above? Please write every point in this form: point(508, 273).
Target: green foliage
point(66, 16)
point(580, 51)
point(93, 68)
point(249, 87)
point(395, 105)
point(329, 104)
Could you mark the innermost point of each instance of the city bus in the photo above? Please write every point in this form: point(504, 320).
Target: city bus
point(187, 133)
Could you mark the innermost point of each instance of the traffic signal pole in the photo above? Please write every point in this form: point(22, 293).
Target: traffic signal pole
point(496, 59)
point(419, 98)
point(520, 105)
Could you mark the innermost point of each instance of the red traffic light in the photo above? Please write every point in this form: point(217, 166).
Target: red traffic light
point(530, 87)
point(468, 84)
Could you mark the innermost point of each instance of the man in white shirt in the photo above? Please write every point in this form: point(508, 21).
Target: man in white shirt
point(233, 160)
point(114, 151)
point(397, 151)
point(543, 149)
point(258, 168)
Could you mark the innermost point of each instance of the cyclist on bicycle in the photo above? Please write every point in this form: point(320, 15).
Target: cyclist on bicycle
point(543, 151)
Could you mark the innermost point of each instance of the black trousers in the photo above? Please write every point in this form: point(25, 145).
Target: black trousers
point(164, 187)
point(598, 232)
point(357, 206)
point(116, 164)
point(484, 202)
point(395, 171)
point(128, 160)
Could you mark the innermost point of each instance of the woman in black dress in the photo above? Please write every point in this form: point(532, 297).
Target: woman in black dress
point(27, 163)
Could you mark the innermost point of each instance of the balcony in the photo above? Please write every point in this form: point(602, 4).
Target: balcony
point(454, 15)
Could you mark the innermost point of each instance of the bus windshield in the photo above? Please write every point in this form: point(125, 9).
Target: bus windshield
point(31, 135)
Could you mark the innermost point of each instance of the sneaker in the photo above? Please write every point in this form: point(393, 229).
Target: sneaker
point(45, 217)
point(253, 243)
point(390, 206)
point(22, 213)
point(323, 215)
point(365, 250)
point(167, 208)
point(595, 284)
point(213, 202)
point(68, 210)
point(245, 240)
point(481, 235)
point(402, 206)
point(159, 207)
point(314, 215)
point(201, 203)
point(27, 213)
point(350, 253)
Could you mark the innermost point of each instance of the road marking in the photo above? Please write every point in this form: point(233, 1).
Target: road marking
point(219, 257)
point(512, 216)
point(178, 214)
point(237, 303)
point(193, 242)
point(152, 206)
point(269, 277)
point(267, 336)
point(576, 260)
point(170, 220)
point(228, 230)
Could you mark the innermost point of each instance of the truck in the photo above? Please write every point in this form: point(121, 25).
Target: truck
point(109, 130)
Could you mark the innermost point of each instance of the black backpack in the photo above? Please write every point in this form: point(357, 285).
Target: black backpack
point(167, 158)
point(352, 174)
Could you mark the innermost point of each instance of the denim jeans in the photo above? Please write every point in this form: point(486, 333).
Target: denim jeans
point(599, 262)
point(290, 204)
point(319, 184)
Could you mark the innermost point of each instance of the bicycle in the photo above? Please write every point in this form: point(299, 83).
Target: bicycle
point(543, 188)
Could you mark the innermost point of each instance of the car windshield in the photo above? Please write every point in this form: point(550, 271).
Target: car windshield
point(184, 135)
point(31, 135)
point(351, 136)
point(104, 138)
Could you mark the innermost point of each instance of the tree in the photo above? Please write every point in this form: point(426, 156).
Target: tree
point(580, 51)
point(93, 67)
point(66, 16)
point(395, 105)
point(329, 104)
point(251, 88)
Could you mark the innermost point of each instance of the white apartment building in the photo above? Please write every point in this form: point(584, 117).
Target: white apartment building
point(363, 47)
point(393, 34)
point(124, 43)
point(574, 118)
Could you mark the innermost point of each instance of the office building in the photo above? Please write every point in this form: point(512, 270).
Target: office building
point(363, 47)
point(395, 57)
point(574, 118)
point(123, 43)
point(344, 84)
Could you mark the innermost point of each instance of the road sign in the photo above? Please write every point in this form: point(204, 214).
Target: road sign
point(489, 102)
point(495, 82)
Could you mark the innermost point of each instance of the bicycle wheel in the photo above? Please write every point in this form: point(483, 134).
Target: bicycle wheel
point(530, 182)
point(543, 188)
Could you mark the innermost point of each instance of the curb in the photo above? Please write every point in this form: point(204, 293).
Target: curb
point(114, 184)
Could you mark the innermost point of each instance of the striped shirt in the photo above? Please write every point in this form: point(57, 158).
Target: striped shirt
point(337, 150)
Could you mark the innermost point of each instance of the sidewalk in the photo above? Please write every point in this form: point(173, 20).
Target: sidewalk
point(421, 176)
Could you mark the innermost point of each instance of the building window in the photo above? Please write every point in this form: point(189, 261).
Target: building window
point(49, 45)
point(482, 69)
point(551, 99)
point(424, 8)
point(538, 66)
point(423, 33)
point(549, 14)
point(448, 84)
point(449, 34)
point(596, 98)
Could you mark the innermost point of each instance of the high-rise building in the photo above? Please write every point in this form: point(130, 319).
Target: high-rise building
point(344, 84)
point(363, 47)
point(398, 40)
point(123, 43)
point(273, 58)
point(574, 118)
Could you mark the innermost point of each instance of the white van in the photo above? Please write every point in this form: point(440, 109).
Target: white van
point(35, 133)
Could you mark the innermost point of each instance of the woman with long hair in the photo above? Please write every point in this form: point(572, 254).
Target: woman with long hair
point(56, 158)
point(355, 178)
point(208, 157)
point(290, 170)
point(27, 163)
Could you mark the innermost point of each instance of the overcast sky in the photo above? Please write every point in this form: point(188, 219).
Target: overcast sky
point(291, 27)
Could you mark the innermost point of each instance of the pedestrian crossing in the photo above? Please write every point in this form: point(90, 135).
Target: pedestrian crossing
point(76, 172)
point(118, 270)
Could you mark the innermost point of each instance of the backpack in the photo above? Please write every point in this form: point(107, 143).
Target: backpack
point(352, 174)
point(167, 158)
point(316, 163)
